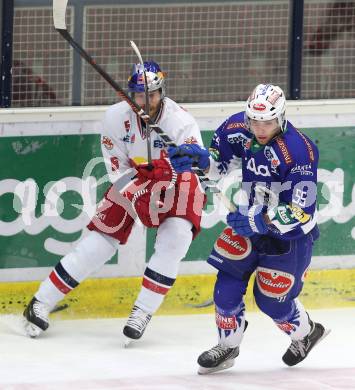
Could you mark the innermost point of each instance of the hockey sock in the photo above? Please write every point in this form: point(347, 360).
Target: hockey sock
point(154, 288)
point(174, 237)
point(296, 323)
point(89, 255)
point(230, 325)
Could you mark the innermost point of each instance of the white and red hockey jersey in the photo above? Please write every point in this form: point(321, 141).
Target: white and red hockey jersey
point(124, 138)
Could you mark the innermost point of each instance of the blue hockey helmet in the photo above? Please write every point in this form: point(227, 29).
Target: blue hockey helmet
point(155, 78)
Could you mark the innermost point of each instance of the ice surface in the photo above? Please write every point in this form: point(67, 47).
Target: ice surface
point(89, 354)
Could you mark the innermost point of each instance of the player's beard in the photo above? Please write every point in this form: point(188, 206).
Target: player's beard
point(153, 110)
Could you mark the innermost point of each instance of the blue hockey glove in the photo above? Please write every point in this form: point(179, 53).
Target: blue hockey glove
point(181, 163)
point(184, 156)
point(247, 221)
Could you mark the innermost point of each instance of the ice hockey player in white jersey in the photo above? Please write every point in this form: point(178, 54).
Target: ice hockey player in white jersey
point(123, 146)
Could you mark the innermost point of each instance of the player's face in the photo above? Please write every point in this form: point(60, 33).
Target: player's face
point(154, 101)
point(264, 131)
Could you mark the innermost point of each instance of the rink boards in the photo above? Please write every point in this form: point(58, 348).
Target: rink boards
point(49, 155)
point(191, 294)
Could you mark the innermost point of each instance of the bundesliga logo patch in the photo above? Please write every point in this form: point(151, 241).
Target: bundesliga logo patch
point(232, 246)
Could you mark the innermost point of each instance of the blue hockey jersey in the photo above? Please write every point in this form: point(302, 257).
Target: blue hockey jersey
point(282, 175)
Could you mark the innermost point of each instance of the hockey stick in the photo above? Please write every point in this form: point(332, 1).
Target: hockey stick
point(147, 127)
point(59, 12)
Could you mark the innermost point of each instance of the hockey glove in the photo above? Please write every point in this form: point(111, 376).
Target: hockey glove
point(160, 176)
point(182, 164)
point(247, 221)
point(184, 156)
point(157, 170)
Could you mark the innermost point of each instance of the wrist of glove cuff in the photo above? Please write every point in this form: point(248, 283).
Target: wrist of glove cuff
point(248, 221)
point(256, 220)
point(183, 157)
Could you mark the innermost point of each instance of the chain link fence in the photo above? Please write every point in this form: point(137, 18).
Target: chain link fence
point(211, 52)
point(42, 60)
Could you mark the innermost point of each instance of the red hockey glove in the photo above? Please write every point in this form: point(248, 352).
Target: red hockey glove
point(148, 202)
point(157, 170)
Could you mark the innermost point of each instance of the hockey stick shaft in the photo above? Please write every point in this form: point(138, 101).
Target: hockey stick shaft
point(136, 108)
point(146, 92)
point(59, 11)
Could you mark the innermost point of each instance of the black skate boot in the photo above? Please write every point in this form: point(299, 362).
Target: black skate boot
point(299, 349)
point(216, 359)
point(136, 323)
point(36, 317)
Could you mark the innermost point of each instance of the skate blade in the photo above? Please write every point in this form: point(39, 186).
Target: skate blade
point(227, 364)
point(31, 330)
point(325, 334)
point(127, 342)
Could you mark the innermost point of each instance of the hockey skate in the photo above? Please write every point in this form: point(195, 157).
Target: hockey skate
point(299, 349)
point(136, 324)
point(36, 317)
point(216, 359)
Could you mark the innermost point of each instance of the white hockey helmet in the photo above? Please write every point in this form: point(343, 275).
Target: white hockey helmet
point(266, 102)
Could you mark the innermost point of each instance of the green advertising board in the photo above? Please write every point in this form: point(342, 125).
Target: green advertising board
point(42, 162)
point(49, 173)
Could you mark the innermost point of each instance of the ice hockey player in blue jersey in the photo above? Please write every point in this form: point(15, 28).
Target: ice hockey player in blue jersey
point(272, 232)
